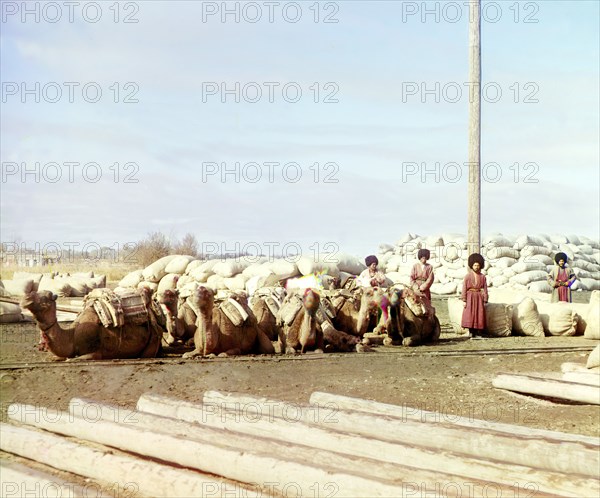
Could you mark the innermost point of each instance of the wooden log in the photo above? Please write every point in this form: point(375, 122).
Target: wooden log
point(551, 388)
point(573, 367)
point(409, 413)
point(589, 378)
point(277, 476)
point(458, 468)
point(128, 474)
point(265, 442)
point(574, 457)
point(19, 480)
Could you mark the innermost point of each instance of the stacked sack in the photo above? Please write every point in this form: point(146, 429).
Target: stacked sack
point(528, 314)
point(185, 274)
point(518, 263)
point(63, 285)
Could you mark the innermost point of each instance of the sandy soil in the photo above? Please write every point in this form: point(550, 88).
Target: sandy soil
point(452, 377)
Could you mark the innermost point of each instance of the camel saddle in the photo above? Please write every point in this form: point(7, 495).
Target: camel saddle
point(116, 310)
point(272, 297)
point(289, 309)
point(232, 309)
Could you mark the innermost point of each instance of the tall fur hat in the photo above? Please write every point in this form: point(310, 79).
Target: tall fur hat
point(559, 256)
point(424, 253)
point(476, 258)
point(369, 260)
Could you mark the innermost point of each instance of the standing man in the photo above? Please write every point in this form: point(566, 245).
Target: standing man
point(561, 278)
point(421, 275)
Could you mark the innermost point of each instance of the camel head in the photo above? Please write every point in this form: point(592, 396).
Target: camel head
point(42, 305)
point(169, 299)
point(415, 303)
point(146, 293)
point(203, 298)
point(311, 301)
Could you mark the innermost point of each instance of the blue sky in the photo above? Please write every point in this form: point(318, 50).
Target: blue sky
point(368, 56)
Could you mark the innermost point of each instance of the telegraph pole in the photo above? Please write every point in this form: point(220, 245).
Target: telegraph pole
point(474, 189)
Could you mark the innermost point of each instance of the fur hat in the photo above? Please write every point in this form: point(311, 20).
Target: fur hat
point(424, 253)
point(559, 256)
point(476, 258)
point(369, 260)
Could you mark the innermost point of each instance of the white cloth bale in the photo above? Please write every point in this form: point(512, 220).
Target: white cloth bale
point(179, 264)
point(540, 286)
point(499, 280)
point(208, 265)
point(398, 278)
point(184, 280)
point(83, 274)
point(155, 271)
point(593, 360)
point(79, 286)
point(586, 265)
point(153, 286)
point(18, 287)
point(168, 282)
point(558, 239)
point(455, 312)
point(451, 252)
point(525, 240)
point(590, 284)
point(455, 239)
point(98, 282)
point(188, 289)
point(444, 289)
point(526, 319)
point(230, 267)
point(192, 265)
point(56, 285)
point(434, 241)
point(131, 280)
point(348, 263)
point(504, 262)
point(257, 269)
point(407, 237)
point(309, 265)
point(592, 242)
point(237, 283)
point(522, 267)
point(494, 272)
point(592, 329)
point(497, 240)
point(199, 275)
point(586, 249)
point(582, 273)
point(530, 250)
point(498, 319)
point(509, 273)
point(216, 282)
point(558, 318)
point(538, 258)
point(383, 248)
point(283, 269)
point(10, 313)
point(23, 275)
point(459, 273)
point(567, 250)
point(527, 277)
point(495, 253)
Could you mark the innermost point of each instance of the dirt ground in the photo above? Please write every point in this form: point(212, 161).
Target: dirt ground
point(453, 377)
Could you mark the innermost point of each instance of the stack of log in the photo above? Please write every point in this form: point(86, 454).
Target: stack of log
point(579, 383)
point(335, 446)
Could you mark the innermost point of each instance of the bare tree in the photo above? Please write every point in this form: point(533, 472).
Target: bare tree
point(188, 245)
point(153, 247)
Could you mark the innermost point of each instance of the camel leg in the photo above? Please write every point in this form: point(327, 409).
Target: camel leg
point(319, 343)
point(191, 354)
point(263, 343)
point(230, 352)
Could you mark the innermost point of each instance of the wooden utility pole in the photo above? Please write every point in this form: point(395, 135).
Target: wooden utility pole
point(474, 189)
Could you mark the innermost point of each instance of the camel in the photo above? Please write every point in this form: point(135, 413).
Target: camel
point(357, 310)
point(217, 335)
point(411, 319)
point(181, 319)
point(265, 315)
point(87, 338)
point(303, 331)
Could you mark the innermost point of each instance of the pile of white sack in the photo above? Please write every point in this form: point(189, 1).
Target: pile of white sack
point(185, 273)
point(516, 262)
point(63, 285)
point(524, 313)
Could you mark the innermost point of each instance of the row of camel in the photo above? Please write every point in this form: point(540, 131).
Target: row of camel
point(302, 321)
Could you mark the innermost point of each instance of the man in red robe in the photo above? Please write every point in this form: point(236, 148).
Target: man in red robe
point(421, 275)
point(474, 296)
point(561, 278)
